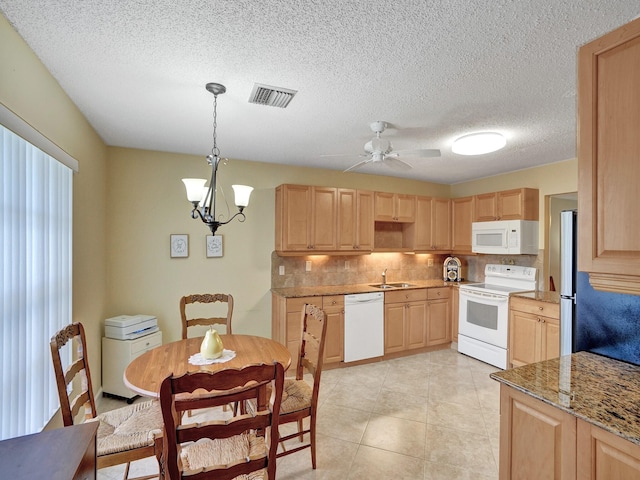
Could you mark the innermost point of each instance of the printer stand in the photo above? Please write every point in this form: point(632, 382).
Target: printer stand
point(117, 355)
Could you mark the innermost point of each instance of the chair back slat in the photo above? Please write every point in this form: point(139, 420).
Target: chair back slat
point(206, 321)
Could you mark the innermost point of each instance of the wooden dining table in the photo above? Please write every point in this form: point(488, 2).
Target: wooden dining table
point(146, 372)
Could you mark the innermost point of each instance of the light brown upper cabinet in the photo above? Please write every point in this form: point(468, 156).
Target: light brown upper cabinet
point(608, 166)
point(432, 228)
point(395, 207)
point(355, 220)
point(517, 204)
point(306, 218)
point(462, 211)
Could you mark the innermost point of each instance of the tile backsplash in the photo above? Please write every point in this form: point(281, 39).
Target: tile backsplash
point(356, 269)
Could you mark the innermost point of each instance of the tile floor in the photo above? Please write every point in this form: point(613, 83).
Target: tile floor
point(428, 416)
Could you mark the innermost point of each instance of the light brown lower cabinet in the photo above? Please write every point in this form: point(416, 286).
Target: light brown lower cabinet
point(333, 307)
point(438, 324)
point(539, 441)
point(534, 331)
point(405, 315)
point(605, 456)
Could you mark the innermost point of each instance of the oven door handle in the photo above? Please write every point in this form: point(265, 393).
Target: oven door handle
point(471, 293)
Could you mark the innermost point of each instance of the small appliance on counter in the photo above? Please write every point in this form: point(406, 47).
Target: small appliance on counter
point(452, 270)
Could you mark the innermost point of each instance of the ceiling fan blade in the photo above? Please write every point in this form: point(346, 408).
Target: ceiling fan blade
point(342, 155)
point(359, 164)
point(396, 163)
point(423, 153)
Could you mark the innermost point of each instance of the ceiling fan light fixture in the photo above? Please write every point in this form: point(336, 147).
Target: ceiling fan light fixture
point(479, 143)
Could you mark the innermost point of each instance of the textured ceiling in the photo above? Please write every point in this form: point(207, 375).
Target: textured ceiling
point(434, 70)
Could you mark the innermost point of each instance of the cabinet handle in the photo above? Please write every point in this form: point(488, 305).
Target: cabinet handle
point(540, 308)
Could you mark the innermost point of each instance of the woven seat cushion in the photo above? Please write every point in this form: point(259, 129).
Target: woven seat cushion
point(296, 396)
point(206, 453)
point(128, 427)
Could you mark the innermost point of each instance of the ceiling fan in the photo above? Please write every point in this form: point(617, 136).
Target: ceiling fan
point(380, 150)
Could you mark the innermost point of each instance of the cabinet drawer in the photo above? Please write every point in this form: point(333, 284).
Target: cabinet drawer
point(535, 307)
point(399, 296)
point(296, 304)
point(436, 293)
point(334, 301)
point(146, 343)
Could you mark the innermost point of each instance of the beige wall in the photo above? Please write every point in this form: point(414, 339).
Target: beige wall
point(27, 88)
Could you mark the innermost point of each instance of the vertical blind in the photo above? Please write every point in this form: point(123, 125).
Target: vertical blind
point(35, 281)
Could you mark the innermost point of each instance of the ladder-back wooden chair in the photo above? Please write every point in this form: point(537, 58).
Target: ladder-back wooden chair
point(206, 298)
point(125, 434)
point(300, 400)
point(242, 446)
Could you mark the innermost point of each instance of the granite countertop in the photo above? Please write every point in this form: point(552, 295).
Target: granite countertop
point(540, 295)
point(292, 292)
point(597, 389)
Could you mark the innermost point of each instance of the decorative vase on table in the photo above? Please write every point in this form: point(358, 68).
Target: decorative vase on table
point(211, 346)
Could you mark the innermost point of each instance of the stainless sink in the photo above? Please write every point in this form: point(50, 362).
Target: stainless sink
point(392, 285)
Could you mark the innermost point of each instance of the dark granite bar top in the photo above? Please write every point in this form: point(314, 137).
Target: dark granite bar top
point(292, 292)
point(542, 296)
point(597, 389)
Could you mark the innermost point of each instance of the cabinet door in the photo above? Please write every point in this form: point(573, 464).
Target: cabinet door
point(604, 456)
point(462, 210)
point(384, 207)
point(608, 149)
point(405, 208)
point(364, 221)
point(518, 204)
point(334, 339)
point(296, 217)
point(438, 327)
point(422, 226)
point(486, 207)
point(416, 313)
point(347, 216)
point(441, 223)
point(524, 338)
point(536, 440)
point(324, 218)
point(550, 338)
point(394, 328)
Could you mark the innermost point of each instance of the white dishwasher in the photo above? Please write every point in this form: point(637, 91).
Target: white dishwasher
point(363, 326)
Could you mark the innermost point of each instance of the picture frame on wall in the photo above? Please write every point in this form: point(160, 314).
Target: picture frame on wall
point(214, 246)
point(179, 244)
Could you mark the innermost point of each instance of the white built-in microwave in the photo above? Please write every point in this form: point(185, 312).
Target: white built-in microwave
point(505, 237)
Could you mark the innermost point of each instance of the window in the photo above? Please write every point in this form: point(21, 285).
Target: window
point(35, 279)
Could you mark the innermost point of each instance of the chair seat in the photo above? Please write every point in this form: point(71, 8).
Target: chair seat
point(129, 427)
point(206, 454)
point(296, 396)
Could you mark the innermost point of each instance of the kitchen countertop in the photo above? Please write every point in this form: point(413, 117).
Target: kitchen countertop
point(542, 296)
point(292, 292)
point(597, 389)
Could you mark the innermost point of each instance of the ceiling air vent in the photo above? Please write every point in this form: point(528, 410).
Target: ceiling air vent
point(271, 96)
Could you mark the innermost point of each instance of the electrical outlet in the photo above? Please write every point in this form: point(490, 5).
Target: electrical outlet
point(281, 270)
point(429, 262)
point(307, 266)
point(346, 265)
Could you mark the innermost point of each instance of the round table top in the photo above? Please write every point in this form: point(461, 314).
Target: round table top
point(145, 373)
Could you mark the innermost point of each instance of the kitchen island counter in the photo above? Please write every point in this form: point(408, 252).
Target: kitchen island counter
point(599, 390)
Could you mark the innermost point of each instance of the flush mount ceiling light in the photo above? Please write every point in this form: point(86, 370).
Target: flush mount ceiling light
point(203, 198)
point(479, 143)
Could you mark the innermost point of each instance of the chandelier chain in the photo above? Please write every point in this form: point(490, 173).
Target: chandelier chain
point(215, 152)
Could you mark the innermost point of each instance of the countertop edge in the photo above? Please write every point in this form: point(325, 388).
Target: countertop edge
point(347, 289)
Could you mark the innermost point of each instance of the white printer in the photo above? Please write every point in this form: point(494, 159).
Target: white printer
point(129, 327)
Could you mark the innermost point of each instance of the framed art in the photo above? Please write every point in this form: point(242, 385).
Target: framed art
point(214, 246)
point(179, 245)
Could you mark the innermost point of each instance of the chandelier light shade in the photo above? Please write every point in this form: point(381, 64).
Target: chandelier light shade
point(203, 198)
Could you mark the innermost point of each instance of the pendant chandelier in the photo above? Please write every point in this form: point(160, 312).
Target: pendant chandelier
point(203, 198)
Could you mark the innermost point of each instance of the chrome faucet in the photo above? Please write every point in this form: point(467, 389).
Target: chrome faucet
point(384, 277)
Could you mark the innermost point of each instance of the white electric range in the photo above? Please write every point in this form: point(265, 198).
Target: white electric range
point(484, 311)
